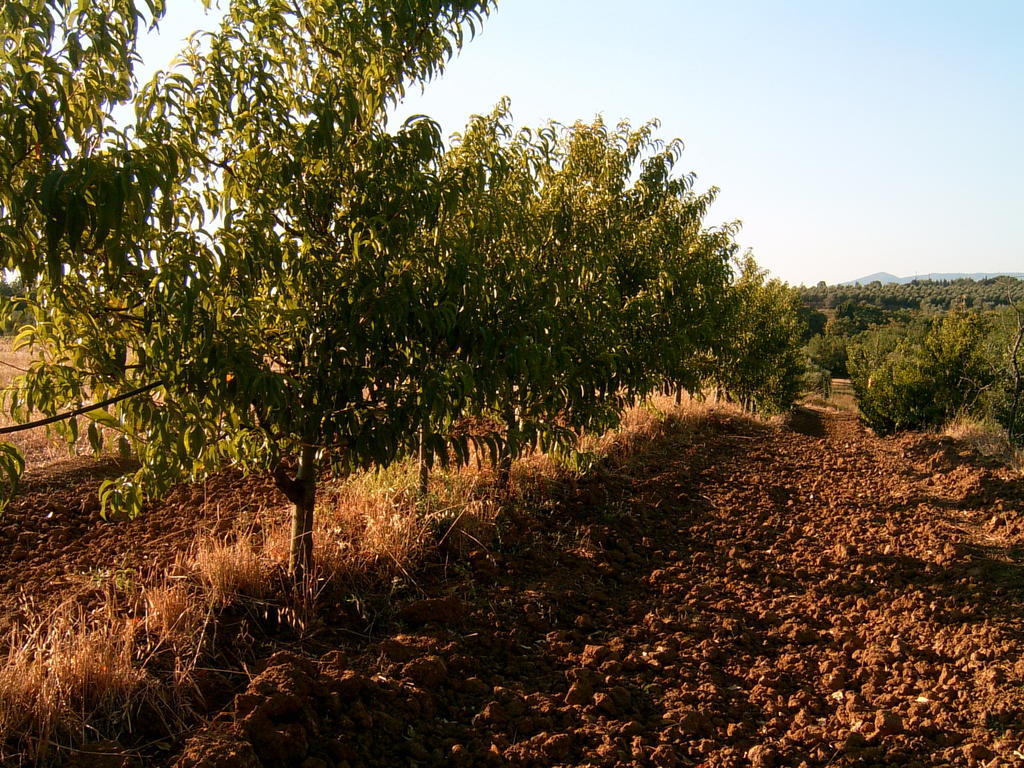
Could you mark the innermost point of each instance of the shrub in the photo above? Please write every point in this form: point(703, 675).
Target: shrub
point(922, 375)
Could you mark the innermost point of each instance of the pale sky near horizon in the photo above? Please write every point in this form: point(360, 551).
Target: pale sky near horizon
point(850, 137)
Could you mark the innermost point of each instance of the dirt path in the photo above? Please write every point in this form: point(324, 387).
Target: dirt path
point(740, 596)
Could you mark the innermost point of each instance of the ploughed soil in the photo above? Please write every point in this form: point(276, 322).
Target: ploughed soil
point(54, 545)
point(731, 594)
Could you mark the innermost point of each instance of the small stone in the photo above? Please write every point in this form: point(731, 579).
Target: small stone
point(888, 723)
point(976, 753)
point(593, 655)
point(580, 693)
point(762, 756)
point(557, 747)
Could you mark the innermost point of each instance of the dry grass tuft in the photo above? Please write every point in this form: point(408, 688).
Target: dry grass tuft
point(66, 674)
point(374, 526)
point(649, 420)
point(174, 615)
point(371, 525)
point(230, 569)
point(986, 438)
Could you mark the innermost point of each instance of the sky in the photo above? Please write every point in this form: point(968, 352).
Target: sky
point(849, 136)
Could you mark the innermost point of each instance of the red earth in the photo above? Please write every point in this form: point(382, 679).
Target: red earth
point(730, 594)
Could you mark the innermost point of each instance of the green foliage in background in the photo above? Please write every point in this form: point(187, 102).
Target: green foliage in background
point(924, 374)
point(928, 296)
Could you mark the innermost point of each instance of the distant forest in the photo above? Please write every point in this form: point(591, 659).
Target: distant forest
point(923, 353)
point(928, 296)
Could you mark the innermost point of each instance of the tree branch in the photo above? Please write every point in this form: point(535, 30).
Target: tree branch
point(79, 411)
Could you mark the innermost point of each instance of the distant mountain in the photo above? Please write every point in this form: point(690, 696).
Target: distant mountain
point(885, 277)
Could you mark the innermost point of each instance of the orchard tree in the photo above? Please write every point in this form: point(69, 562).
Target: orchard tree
point(548, 314)
point(599, 277)
point(758, 357)
point(74, 186)
point(265, 294)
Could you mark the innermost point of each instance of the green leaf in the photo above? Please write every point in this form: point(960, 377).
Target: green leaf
point(103, 418)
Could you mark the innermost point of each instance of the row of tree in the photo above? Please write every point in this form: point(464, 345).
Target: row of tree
point(291, 287)
point(929, 296)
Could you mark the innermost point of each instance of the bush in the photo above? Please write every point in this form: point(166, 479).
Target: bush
point(922, 375)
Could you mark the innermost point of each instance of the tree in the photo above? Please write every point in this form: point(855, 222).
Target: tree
point(265, 283)
point(1004, 349)
point(1016, 375)
point(922, 376)
point(599, 279)
point(757, 357)
point(73, 185)
point(291, 287)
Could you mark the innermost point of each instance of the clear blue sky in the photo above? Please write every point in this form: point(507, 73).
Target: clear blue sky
point(849, 137)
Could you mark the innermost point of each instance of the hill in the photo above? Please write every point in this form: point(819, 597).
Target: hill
point(917, 295)
point(886, 277)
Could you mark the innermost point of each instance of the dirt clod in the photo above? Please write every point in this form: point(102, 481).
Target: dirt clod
point(728, 594)
point(428, 671)
point(437, 610)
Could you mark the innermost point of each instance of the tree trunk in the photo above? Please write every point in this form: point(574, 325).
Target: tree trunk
point(508, 450)
point(679, 396)
point(424, 466)
point(1015, 373)
point(300, 554)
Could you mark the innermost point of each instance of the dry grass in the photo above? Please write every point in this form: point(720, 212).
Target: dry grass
point(649, 420)
point(375, 526)
point(231, 569)
point(71, 674)
point(40, 446)
point(77, 673)
point(986, 438)
point(12, 362)
point(174, 616)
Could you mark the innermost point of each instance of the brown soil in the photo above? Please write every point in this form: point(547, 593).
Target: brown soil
point(54, 545)
point(739, 596)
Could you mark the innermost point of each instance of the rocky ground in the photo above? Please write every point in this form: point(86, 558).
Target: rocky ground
point(718, 593)
point(54, 545)
point(742, 595)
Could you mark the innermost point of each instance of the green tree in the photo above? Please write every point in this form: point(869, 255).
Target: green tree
point(828, 352)
point(921, 376)
point(758, 358)
point(267, 284)
point(74, 186)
